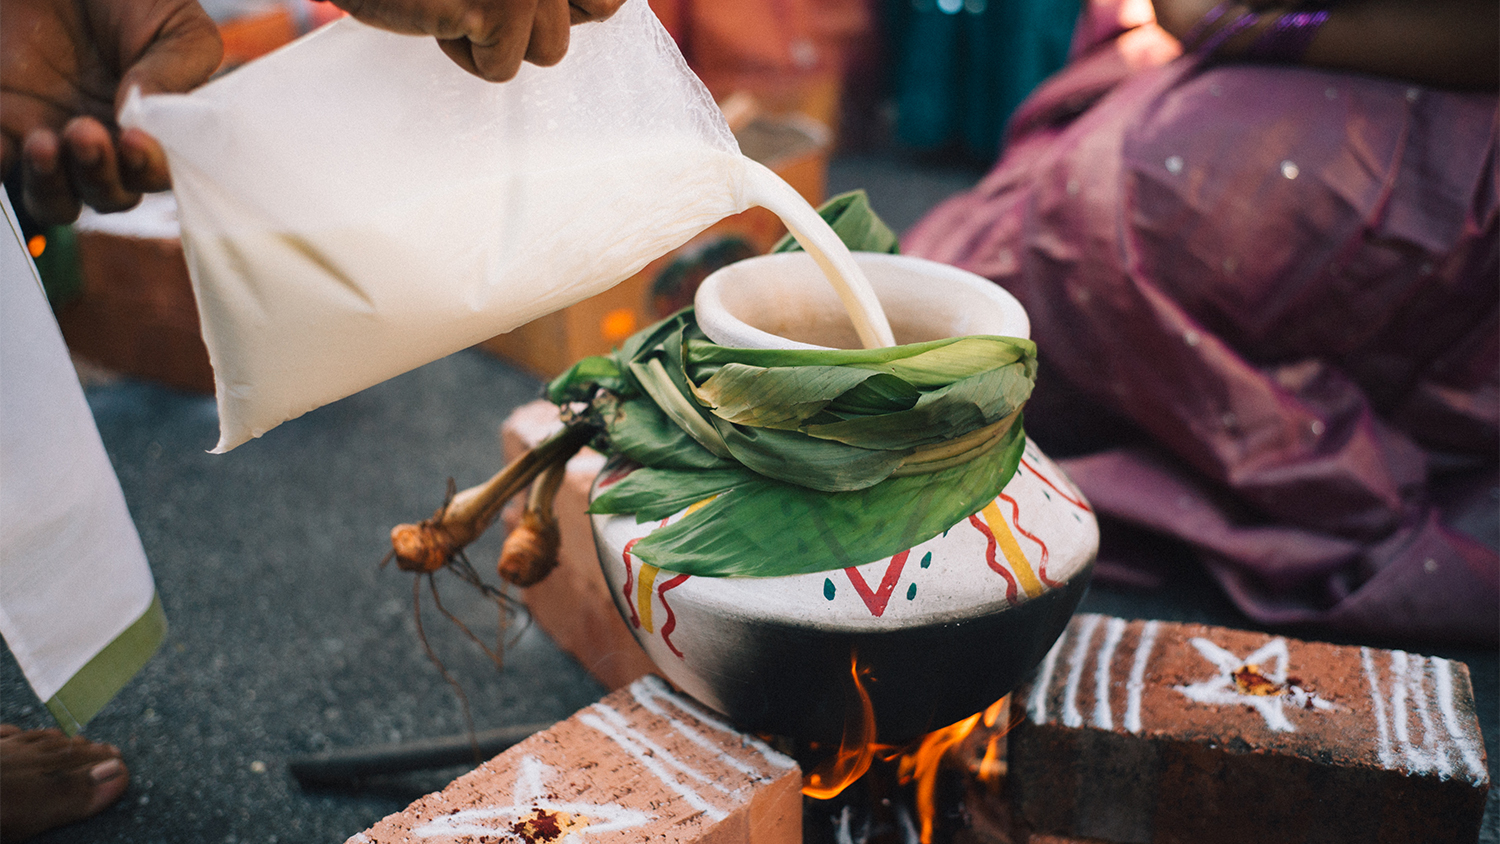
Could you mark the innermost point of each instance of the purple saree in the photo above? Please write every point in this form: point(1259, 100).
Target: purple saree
point(1288, 280)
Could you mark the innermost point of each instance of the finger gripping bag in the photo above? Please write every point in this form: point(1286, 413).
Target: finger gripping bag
point(355, 205)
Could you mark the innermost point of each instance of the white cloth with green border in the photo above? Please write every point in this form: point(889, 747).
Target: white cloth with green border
point(78, 605)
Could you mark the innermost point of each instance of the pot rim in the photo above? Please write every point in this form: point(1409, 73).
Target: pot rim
point(728, 298)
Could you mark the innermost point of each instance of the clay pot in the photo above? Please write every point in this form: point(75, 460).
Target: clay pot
point(940, 631)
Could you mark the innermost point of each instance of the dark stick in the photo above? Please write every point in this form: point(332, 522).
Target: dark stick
point(345, 765)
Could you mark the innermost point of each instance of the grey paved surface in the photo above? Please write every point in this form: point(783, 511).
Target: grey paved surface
point(287, 638)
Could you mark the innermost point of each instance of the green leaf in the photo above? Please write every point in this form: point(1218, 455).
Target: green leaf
point(639, 430)
point(961, 358)
point(855, 222)
point(762, 528)
point(880, 393)
point(939, 415)
point(796, 458)
point(658, 493)
point(641, 342)
point(828, 420)
point(658, 383)
point(582, 378)
point(699, 351)
point(776, 397)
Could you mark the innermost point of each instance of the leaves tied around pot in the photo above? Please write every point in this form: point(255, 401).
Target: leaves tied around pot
point(802, 460)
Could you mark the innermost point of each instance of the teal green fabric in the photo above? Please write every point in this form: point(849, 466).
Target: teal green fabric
point(963, 66)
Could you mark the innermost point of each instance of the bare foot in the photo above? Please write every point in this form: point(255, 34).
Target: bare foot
point(48, 780)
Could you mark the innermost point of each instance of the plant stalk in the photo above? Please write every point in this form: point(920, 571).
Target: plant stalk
point(430, 544)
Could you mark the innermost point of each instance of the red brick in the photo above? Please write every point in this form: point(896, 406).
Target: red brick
point(136, 314)
point(644, 764)
point(572, 604)
point(1152, 732)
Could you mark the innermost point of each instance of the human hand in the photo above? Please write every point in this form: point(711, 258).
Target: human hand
point(1180, 17)
point(1443, 43)
point(65, 68)
point(488, 38)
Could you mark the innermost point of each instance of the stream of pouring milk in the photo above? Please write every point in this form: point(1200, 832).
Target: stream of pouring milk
point(766, 189)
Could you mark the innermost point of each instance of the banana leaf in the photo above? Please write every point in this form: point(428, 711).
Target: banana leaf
point(636, 428)
point(939, 415)
point(786, 388)
point(654, 493)
point(776, 397)
point(818, 463)
point(762, 528)
point(880, 393)
point(796, 458)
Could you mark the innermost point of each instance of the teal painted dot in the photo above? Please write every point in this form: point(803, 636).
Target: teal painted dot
point(911, 591)
point(926, 561)
point(828, 589)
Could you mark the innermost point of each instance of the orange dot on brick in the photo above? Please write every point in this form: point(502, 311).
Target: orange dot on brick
point(618, 324)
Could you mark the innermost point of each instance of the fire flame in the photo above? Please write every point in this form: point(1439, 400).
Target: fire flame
point(917, 762)
point(991, 766)
point(857, 748)
point(921, 764)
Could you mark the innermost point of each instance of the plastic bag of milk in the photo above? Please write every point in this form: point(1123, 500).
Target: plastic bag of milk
point(355, 205)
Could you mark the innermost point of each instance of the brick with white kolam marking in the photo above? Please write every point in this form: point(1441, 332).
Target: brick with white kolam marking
point(1158, 732)
point(645, 764)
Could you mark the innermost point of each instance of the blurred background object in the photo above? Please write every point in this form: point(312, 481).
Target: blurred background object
point(960, 67)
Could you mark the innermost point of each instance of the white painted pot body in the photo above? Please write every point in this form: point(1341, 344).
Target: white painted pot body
point(941, 630)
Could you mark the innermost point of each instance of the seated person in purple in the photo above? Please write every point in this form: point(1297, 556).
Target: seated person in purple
point(1270, 257)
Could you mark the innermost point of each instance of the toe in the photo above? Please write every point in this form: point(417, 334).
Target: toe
point(48, 780)
point(110, 778)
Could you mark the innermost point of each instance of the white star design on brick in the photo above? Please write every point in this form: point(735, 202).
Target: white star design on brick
point(527, 797)
point(1270, 660)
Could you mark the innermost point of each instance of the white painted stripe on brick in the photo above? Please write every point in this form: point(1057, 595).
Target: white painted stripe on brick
point(1409, 699)
point(1468, 748)
point(685, 792)
point(1135, 687)
point(1398, 703)
point(623, 724)
point(1434, 747)
point(1076, 661)
point(646, 697)
point(1036, 705)
point(1402, 709)
point(1377, 701)
point(660, 689)
point(1103, 715)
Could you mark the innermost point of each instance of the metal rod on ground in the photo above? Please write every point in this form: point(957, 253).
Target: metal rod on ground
point(341, 766)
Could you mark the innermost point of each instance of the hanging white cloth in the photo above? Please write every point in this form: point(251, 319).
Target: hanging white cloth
point(78, 606)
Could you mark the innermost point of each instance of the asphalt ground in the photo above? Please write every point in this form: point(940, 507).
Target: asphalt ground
point(288, 638)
